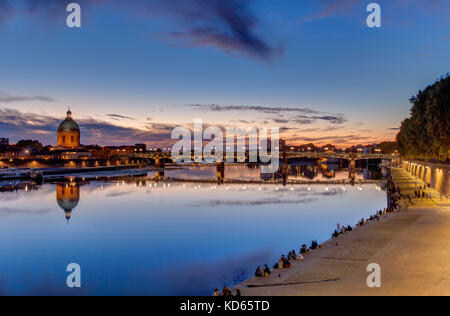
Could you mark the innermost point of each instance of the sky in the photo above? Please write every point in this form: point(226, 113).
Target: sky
point(135, 70)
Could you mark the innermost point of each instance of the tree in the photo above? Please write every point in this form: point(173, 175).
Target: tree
point(425, 134)
point(33, 146)
point(387, 147)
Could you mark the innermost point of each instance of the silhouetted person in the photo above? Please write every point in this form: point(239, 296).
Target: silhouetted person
point(226, 291)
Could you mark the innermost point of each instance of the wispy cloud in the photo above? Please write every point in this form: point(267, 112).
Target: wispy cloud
point(263, 109)
point(9, 98)
point(338, 139)
point(293, 115)
point(230, 25)
point(18, 125)
point(330, 8)
point(119, 117)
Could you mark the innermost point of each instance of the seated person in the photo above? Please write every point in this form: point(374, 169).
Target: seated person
point(304, 249)
point(290, 258)
point(258, 272)
point(280, 264)
point(294, 254)
point(286, 263)
point(266, 271)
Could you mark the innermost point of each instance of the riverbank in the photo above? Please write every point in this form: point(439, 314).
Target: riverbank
point(52, 173)
point(411, 246)
point(277, 182)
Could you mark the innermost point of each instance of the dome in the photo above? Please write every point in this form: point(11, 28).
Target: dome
point(68, 197)
point(67, 204)
point(68, 133)
point(68, 125)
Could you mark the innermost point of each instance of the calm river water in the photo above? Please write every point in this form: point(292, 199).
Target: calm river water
point(141, 237)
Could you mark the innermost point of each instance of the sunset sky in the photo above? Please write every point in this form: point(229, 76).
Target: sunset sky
point(136, 69)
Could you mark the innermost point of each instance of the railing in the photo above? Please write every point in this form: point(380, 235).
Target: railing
point(291, 155)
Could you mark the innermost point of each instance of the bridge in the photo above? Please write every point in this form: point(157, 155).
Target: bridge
point(287, 155)
point(346, 156)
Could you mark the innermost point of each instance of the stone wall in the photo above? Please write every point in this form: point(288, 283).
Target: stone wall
point(438, 175)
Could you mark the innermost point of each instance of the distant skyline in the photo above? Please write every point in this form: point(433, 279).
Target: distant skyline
point(133, 72)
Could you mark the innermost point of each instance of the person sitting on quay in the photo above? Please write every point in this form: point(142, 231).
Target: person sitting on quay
point(266, 271)
point(314, 245)
point(279, 265)
point(286, 262)
point(335, 234)
point(349, 228)
point(226, 291)
point(304, 250)
point(238, 293)
point(290, 257)
point(294, 254)
point(216, 292)
point(258, 272)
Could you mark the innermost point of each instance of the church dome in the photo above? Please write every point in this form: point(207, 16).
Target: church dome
point(68, 204)
point(68, 125)
point(68, 133)
point(68, 197)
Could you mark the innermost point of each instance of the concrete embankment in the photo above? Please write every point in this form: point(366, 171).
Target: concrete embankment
point(24, 174)
point(412, 248)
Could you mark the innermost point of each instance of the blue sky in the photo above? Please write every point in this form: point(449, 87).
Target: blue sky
point(148, 63)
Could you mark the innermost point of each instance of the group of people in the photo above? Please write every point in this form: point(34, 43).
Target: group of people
point(286, 262)
point(341, 230)
point(226, 292)
point(395, 196)
point(262, 272)
point(421, 193)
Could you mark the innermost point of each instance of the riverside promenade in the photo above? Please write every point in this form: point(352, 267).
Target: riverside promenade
point(412, 248)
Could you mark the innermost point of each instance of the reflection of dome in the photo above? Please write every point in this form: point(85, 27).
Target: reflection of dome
point(68, 133)
point(67, 197)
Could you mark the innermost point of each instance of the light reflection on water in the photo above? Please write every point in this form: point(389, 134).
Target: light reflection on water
point(252, 172)
point(156, 239)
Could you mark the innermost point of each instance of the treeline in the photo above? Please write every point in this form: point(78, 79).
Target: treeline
point(425, 134)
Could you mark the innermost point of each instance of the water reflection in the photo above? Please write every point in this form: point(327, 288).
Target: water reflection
point(68, 197)
point(136, 236)
point(284, 174)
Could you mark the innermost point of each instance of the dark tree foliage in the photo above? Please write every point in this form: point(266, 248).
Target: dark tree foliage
point(33, 145)
point(387, 147)
point(425, 134)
